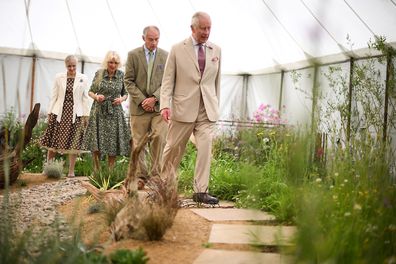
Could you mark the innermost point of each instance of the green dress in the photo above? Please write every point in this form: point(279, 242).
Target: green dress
point(107, 131)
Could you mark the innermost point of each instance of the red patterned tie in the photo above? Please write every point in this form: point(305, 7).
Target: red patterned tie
point(201, 59)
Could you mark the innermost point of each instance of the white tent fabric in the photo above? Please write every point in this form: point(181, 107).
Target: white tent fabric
point(254, 34)
point(259, 39)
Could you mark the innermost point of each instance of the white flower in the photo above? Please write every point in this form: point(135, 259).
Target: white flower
point(357, 207)
point(347, 214)
point(318, 180)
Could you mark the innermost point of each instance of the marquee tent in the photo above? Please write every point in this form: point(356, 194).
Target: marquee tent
point(262, 42)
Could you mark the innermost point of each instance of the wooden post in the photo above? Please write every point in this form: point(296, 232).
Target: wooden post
point(281, 92)
point(388, 82)
point(351, 65)
point(34, 59)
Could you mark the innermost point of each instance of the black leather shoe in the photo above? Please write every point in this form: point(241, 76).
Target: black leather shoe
point(204, 198)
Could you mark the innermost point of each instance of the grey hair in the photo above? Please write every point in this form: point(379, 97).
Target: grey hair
point(195, 18)
point(110, 55)
point(146, 29)
point(70, 57)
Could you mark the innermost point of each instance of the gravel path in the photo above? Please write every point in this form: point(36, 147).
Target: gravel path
point(37, 205)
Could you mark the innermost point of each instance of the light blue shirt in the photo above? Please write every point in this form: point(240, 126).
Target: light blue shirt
point(146, 51)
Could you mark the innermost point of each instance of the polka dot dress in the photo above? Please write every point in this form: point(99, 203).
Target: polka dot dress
point(64, 136)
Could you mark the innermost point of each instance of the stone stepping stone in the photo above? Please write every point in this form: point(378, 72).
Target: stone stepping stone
point(233, 214)
point(215, 256)
point(251, 234)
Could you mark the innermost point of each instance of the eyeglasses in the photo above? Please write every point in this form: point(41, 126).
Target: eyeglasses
point(113, 62)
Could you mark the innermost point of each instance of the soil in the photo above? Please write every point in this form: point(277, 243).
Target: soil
point(182, 243)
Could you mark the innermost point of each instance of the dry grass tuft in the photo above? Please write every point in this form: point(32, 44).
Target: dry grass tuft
point(132, 217)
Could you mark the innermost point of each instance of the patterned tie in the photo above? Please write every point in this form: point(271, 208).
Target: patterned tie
point(150, 68)
point(201, 59)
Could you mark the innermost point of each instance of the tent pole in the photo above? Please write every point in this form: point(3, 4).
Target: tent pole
point(244, 97)
point(314, 97)
point(34, 59)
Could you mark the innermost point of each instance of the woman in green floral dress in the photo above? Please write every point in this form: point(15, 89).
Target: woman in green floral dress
point(108, 133)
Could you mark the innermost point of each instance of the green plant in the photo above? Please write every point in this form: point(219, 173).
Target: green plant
point(124, 256)
point(42, 247)
point(107, 179)
point(186, 169)
point(83, 164)
point(34, 156)
point(54, 169)
point(346, 214)
point(11, 126)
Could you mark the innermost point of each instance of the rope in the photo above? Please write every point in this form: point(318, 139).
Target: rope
point(320, 23)
point(115, 24)
point(73, 27)
point(283, 27)
point(27, 6)
point(361, 20)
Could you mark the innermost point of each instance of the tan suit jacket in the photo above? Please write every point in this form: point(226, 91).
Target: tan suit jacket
point(135, 78)
point(81, 103)
point(182, 84)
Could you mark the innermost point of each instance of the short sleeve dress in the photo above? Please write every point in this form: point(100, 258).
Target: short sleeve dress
point(107, 131)
point(64, 136)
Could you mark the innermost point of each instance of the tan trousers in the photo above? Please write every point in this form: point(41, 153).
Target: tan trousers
point(176, 141)
point(153, 124)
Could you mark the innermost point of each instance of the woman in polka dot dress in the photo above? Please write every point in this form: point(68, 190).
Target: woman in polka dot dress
point(108, 133)
point(67, 115)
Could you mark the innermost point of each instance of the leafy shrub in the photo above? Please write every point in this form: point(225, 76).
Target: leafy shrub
point(54, 169)
point(124, 256)
point(34, 156)
point(12, 127)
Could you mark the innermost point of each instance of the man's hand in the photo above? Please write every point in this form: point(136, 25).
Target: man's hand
point(148, 104)
point(166, 113)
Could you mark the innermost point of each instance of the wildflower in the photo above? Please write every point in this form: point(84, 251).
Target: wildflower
point(318, 180)
point(335, 197)
point(265, 140)
point(345, 180)
point(357, 207)
point(331, 186)
point(347, 214)
point(357, 176)
point(336, 174)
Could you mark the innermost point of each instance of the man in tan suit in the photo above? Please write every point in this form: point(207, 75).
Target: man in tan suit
point(143, 76)
point(190, 95)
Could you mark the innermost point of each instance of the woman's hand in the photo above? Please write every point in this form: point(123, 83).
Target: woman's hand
point(99, 98)
point(118, 101)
